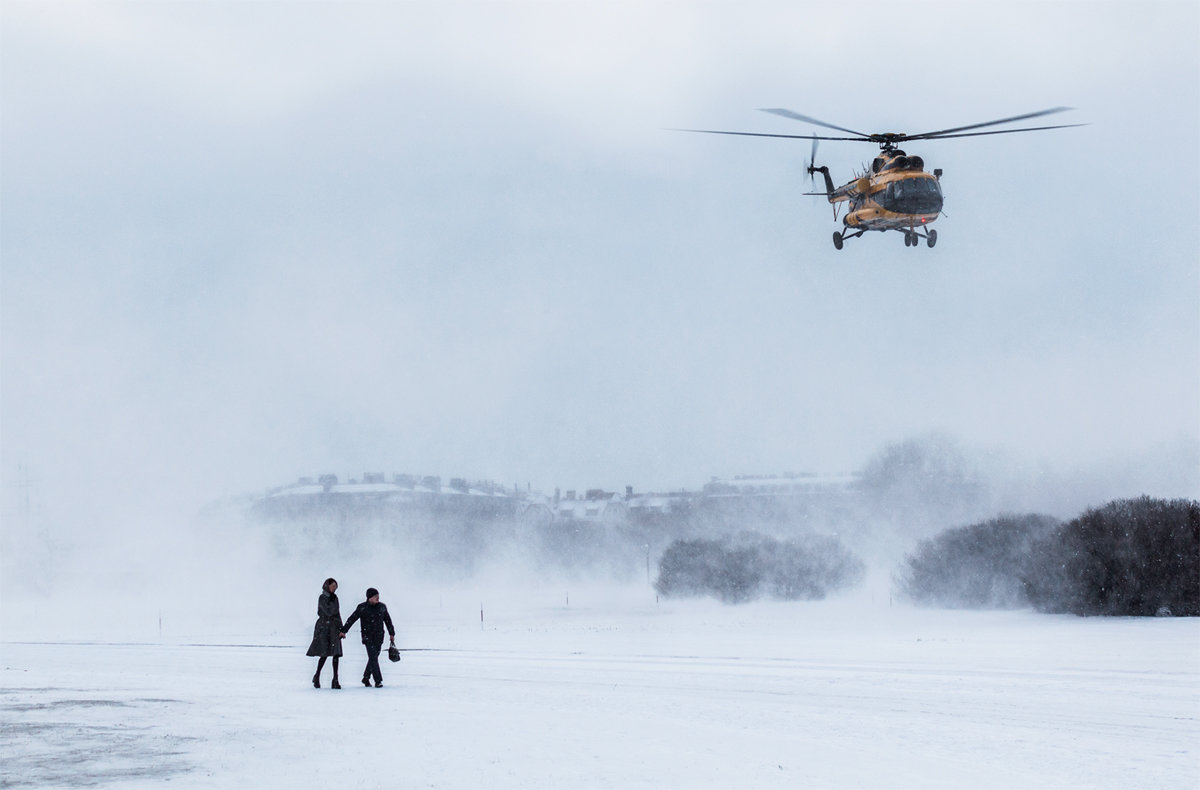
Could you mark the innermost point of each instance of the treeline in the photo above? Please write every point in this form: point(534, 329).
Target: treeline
point(1132, 557)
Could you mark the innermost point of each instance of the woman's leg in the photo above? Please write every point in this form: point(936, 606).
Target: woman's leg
point(320, 666)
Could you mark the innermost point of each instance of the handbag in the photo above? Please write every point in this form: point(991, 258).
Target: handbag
point(393, 653)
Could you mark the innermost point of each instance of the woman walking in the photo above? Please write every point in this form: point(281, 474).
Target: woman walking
point(327, 633)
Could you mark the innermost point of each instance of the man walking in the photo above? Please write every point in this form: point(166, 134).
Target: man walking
point(373, 616)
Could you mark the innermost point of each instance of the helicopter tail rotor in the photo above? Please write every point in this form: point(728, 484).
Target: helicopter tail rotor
point(813, 169)
point(812, 161)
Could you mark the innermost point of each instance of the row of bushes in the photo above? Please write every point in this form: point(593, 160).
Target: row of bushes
point(750, 566)
point(1130, 557)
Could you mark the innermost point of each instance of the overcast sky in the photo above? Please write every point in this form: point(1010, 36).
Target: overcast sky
point(244, 242)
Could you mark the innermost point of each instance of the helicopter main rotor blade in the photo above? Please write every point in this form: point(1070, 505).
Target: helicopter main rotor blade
point(948, 132)
point(998, 131)
point(761, 134)
point(795, 116)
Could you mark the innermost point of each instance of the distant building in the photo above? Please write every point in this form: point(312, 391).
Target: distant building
point(776, 497)
point(659, 509)
point(597, 507)
point(376, 497)
point(788, 498)
point(781, 485)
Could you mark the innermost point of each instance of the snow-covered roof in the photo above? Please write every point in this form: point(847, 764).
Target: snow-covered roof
point(739, 486)
point(381, 488)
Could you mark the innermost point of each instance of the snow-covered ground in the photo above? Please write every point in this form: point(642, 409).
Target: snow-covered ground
point(606, 687)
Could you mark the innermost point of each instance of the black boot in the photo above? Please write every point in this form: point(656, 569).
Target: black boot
point(366, 682)
point(317, 680)
point(335, 684)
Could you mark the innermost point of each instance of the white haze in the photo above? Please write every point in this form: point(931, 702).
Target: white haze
point(242, 243)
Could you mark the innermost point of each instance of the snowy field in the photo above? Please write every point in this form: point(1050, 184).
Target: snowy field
point(609, 688)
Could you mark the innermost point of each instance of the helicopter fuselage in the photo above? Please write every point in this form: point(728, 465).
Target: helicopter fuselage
point(897, 194)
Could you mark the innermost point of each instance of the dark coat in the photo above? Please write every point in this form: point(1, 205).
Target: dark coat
point(327, 632)
point(373, 616)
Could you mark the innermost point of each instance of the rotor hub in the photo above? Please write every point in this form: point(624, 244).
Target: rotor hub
point(888, 140)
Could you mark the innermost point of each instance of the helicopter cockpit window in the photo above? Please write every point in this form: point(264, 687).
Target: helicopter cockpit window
point(912, 196)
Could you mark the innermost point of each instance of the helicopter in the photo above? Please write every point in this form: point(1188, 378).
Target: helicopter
point(896, 192)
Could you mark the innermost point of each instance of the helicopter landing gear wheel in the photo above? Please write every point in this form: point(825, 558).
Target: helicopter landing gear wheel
point(837, 240)
point(908, 238)
point(931, 239)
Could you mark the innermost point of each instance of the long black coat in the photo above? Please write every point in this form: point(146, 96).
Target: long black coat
point(326, 640)
point(373, 616)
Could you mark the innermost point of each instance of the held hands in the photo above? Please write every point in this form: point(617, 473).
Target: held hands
point(341, 636)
